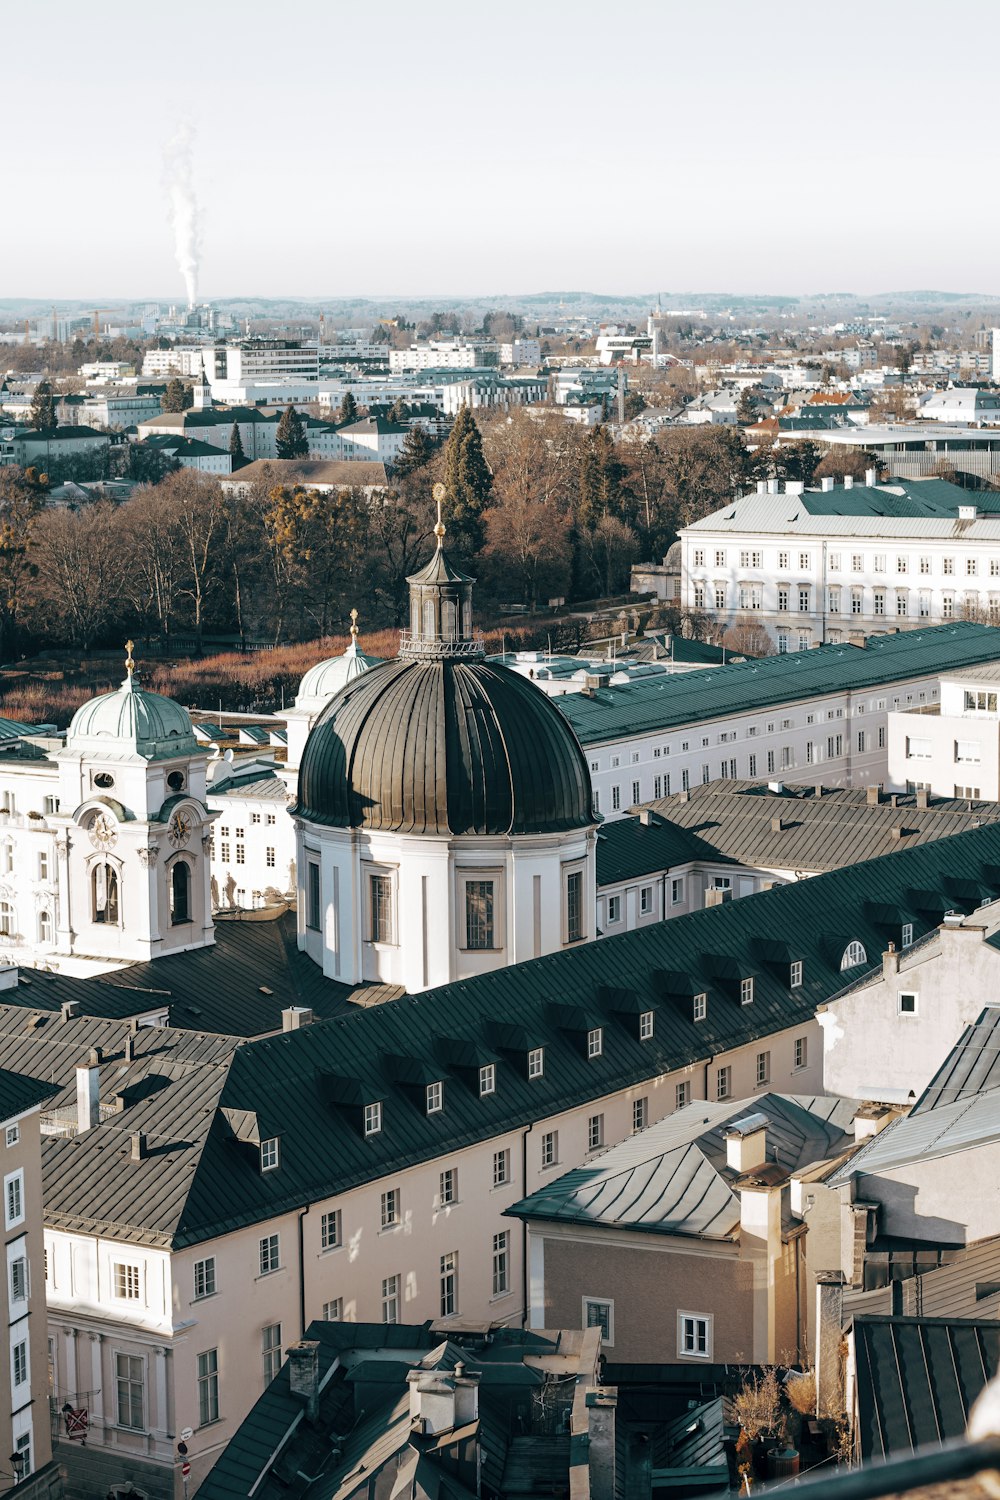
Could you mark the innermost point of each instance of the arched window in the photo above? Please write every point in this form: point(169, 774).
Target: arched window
point(180, 893)
point(104, 892)
point(44, 927)
point(429, 631)
point(854, 954)
point(449, 619)
point(6, 919)
point(415, 618)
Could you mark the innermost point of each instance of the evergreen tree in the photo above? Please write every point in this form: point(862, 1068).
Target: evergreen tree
point(291, 435)
point(176, 397)
point(43, 408)
point(601, 476)
point(236, 445)
point(348, 409)
point(416, 451)
point(468, 481)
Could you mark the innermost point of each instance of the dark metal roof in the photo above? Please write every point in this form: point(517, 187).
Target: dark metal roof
point(917, 1379)
point(19, 1093)
point(733, 822)
point(444, 746)
point(972, 1066)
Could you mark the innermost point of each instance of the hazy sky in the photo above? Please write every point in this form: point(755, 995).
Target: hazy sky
point(458, 147)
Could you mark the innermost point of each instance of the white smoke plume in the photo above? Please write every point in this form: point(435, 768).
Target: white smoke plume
point(183, 206)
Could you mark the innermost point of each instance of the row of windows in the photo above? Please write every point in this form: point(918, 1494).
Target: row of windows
point(694, 1330)
point(880, 562)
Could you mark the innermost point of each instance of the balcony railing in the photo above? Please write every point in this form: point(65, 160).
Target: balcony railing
point(438, 646)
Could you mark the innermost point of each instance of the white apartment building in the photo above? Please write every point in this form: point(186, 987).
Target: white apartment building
point(274, 371)
point(953, 748)
point(802, 717)
point(445, 354)
point(819, 565)
point(180, 360)
point(520, 352)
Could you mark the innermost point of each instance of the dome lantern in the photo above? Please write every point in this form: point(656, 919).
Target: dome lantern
point(440, 605)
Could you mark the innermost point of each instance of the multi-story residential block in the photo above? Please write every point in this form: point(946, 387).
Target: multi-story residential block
point(274, 371)
point(800, 717)
point(520, 352)
point(40, 449)
point(178, 360)
point(951, 748)
point(911, 450)
point(817, 565)
point(446, 354)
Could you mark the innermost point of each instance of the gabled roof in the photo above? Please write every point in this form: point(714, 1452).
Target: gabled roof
point(673, 1177)
point(670, 701)
point(18, 1093)
point(972, 1067)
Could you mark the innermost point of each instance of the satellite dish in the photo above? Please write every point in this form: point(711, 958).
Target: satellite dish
point(228, 757)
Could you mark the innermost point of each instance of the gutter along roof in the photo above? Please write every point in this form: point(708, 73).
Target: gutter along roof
point(202, 1101)
point(662, 703)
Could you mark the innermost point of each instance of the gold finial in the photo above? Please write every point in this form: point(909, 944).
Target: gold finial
point(439, 491)
point(129, 663)
point(354, 624)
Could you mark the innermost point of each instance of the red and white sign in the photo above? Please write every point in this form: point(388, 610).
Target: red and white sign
point(77, 1424)
point(185, 1470)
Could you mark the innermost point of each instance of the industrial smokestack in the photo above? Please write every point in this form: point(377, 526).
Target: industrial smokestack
point(183, 207)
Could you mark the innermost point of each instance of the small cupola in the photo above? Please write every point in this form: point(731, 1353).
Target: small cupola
point(440, 605)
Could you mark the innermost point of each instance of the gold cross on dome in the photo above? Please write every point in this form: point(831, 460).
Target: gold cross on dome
point(129, 663)
point(354, 624)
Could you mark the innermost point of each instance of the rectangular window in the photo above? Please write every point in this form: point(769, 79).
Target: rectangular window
point(208, 1387)
point(682, 1094)
point(204, 1277)
point(329, 1230)
point(269, 857)
point(967, 750)
point(782, 599)
point(536, 1062)
point(801, 1051)
point(834, 562)
point(763, 1067)
point(312, 891)
point(694, 1340)
point(269, 1154)
point(574, 906)
point(448, 1187)
point(434, 1098)
point(43, 867)
point(640, 1113)
point(12, 1135)
point(635, 793)
point(834, 601)
point(598, 1312)
point(907, 1003)
point(907, 935)
point(795, 977)
point(373, 1119)
point(270, 1348)
point(487, 1079)
point(948, 565)
point(389, 1208)
point(803, 601)
point(616, 799)
point(501, 1168)
point(241, 854)
point(13, 1193)
point(501, 1263)
point(126, 1280)
point(677, 891)
point(723, 1082)
point(720, 559)
point(879, 566)
point(645, 900)
point(550, 1148)
point(646, 1020)
point(595, 1042)
point(700, 1007)
point(614, 910)
point(19, 1279)
point(224, 855)
point(782, 559)
point(595, 1132)
point(380, 891)
point(971, 567)
point(333, 1311)
point(19, 1363)
point(479, 932)
point(746, 991)
point(130, 1380)
point(269, 1254)
point(804, 561)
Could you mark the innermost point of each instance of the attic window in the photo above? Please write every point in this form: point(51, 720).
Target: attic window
point(269, 1154)
point(536, 1062)
point(646, 1020)
point(795, 976)
point(487, 1079)
point(746, 991)
point(595, 1041)
point(373, 1119)
point(854, 954)
point(700, 1007)
point(435, 1097)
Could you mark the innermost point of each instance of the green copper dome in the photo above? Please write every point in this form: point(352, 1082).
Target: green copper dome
point(132, 721)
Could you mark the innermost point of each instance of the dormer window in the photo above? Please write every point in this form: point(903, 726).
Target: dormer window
point(536, 1062)
point(269, 1154)
point(907, 935)
point(435, 1098)
point(595, 1041)
point(746, 991)
point(373, 1119)
point(700, 1008)
point(487, 1079)
point(854, 954)
point(795, 977)
point(646, 1026)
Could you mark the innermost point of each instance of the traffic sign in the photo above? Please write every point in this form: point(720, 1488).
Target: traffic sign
point(185, 1469)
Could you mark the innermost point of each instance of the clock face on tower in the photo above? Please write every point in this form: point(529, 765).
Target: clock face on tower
point(103, 833)
point(179, 828)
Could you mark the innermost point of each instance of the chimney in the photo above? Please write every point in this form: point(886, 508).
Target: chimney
point(761, 486)
point(746, 1143)
point(818, 789)
point(303, 1374)
point(871, 478)
point(776, 825)
point(923, 797)
point(138, 1146)
point(88, 1092)
point(873, 795)
point(601, 1408)
point(774, 486)
point(896, 833)
point(715, 897)
point(295, 1017)
point(441, 1401)
point(890, 961)
point(968, 512)
point(128, 1048)
point(647, 818)
point(794, 486)
point(69, 1009)
point(829, 1334)
point(826, 483)
point(848, 481)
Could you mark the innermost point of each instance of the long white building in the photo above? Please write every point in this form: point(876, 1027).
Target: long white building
point(822, 565)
